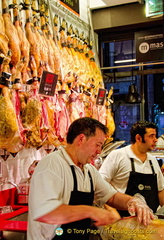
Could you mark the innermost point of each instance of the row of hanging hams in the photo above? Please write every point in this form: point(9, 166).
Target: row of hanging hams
point(26, 50)
point(66, 53)
point(32, 120)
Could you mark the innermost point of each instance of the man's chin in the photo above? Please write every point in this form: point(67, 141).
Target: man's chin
point(152, 149)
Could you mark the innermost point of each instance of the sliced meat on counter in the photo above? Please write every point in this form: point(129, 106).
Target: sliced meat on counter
point(130, 229)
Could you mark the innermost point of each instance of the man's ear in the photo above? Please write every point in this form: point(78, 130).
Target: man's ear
point(80, 138)
point(138, 138)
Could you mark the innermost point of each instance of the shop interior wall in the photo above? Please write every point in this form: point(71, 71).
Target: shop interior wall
point(122, 15)
point(120, 23)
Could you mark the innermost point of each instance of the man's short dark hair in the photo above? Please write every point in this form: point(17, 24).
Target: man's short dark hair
point(140, 128)
point(85, 125)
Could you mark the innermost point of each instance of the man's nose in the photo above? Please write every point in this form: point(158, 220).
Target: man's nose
point(99, 150)
point(155, 140)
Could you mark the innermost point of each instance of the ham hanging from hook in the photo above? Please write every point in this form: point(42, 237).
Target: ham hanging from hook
point(11, 32)
point(24, 44)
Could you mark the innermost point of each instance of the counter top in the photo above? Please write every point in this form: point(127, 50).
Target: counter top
point(6, 222)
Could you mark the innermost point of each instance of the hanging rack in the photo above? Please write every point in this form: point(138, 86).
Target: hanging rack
point(57, 7)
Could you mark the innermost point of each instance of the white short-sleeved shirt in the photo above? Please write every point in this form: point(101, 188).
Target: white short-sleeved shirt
point(116, 168)
point(51, 186)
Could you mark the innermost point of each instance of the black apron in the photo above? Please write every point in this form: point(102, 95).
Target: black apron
point(78, 229)
point(145, 184)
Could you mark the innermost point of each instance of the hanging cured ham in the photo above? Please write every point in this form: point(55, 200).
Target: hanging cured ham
point(109, 115)
point(54, 61)
point(63, 116)
point(10, 138)
point(67, 63)
point(31, 121)
point(24, 44)
point(43, 48)
point(31, 36)
point(55, 45)
point(3, 38)
point(44, 14)
point(8, 121)
point(11, 32)
point(31, 114)
point(82, 72)
point(76, 107)
point(48, 118)
point(43, 120)
point(16, 100)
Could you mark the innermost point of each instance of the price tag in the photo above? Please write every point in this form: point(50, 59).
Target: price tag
point(48, 83)
point(101, 96)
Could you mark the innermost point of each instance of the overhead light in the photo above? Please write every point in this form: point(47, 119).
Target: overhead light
point(133, 96)
point(126, 60)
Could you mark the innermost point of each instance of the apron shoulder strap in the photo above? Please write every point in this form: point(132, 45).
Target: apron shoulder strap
point(132, 164)
point(75, 179)
point(151, 165)
point(90, 181)
point(133, 168)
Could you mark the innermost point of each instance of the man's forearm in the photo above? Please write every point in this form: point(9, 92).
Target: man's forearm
point(119, 201)
point(65, 214)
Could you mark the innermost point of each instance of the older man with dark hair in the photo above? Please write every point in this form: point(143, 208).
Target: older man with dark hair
point(65, 185)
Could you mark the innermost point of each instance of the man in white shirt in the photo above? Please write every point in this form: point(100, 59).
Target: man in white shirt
point(64, 186)
point(132, 169)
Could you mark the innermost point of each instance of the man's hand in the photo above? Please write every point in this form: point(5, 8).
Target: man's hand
point(105, 216)
point(138, 206)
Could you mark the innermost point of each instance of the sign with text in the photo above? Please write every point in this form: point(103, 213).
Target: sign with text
point(72, 5)
point(149, 45)
point(101, 96)
point(48, 83)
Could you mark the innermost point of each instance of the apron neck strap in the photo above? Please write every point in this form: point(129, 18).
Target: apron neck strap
point(75, 179)
point(132, 164)
point(90, 181)
point(133, 168)
point(151, 165)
